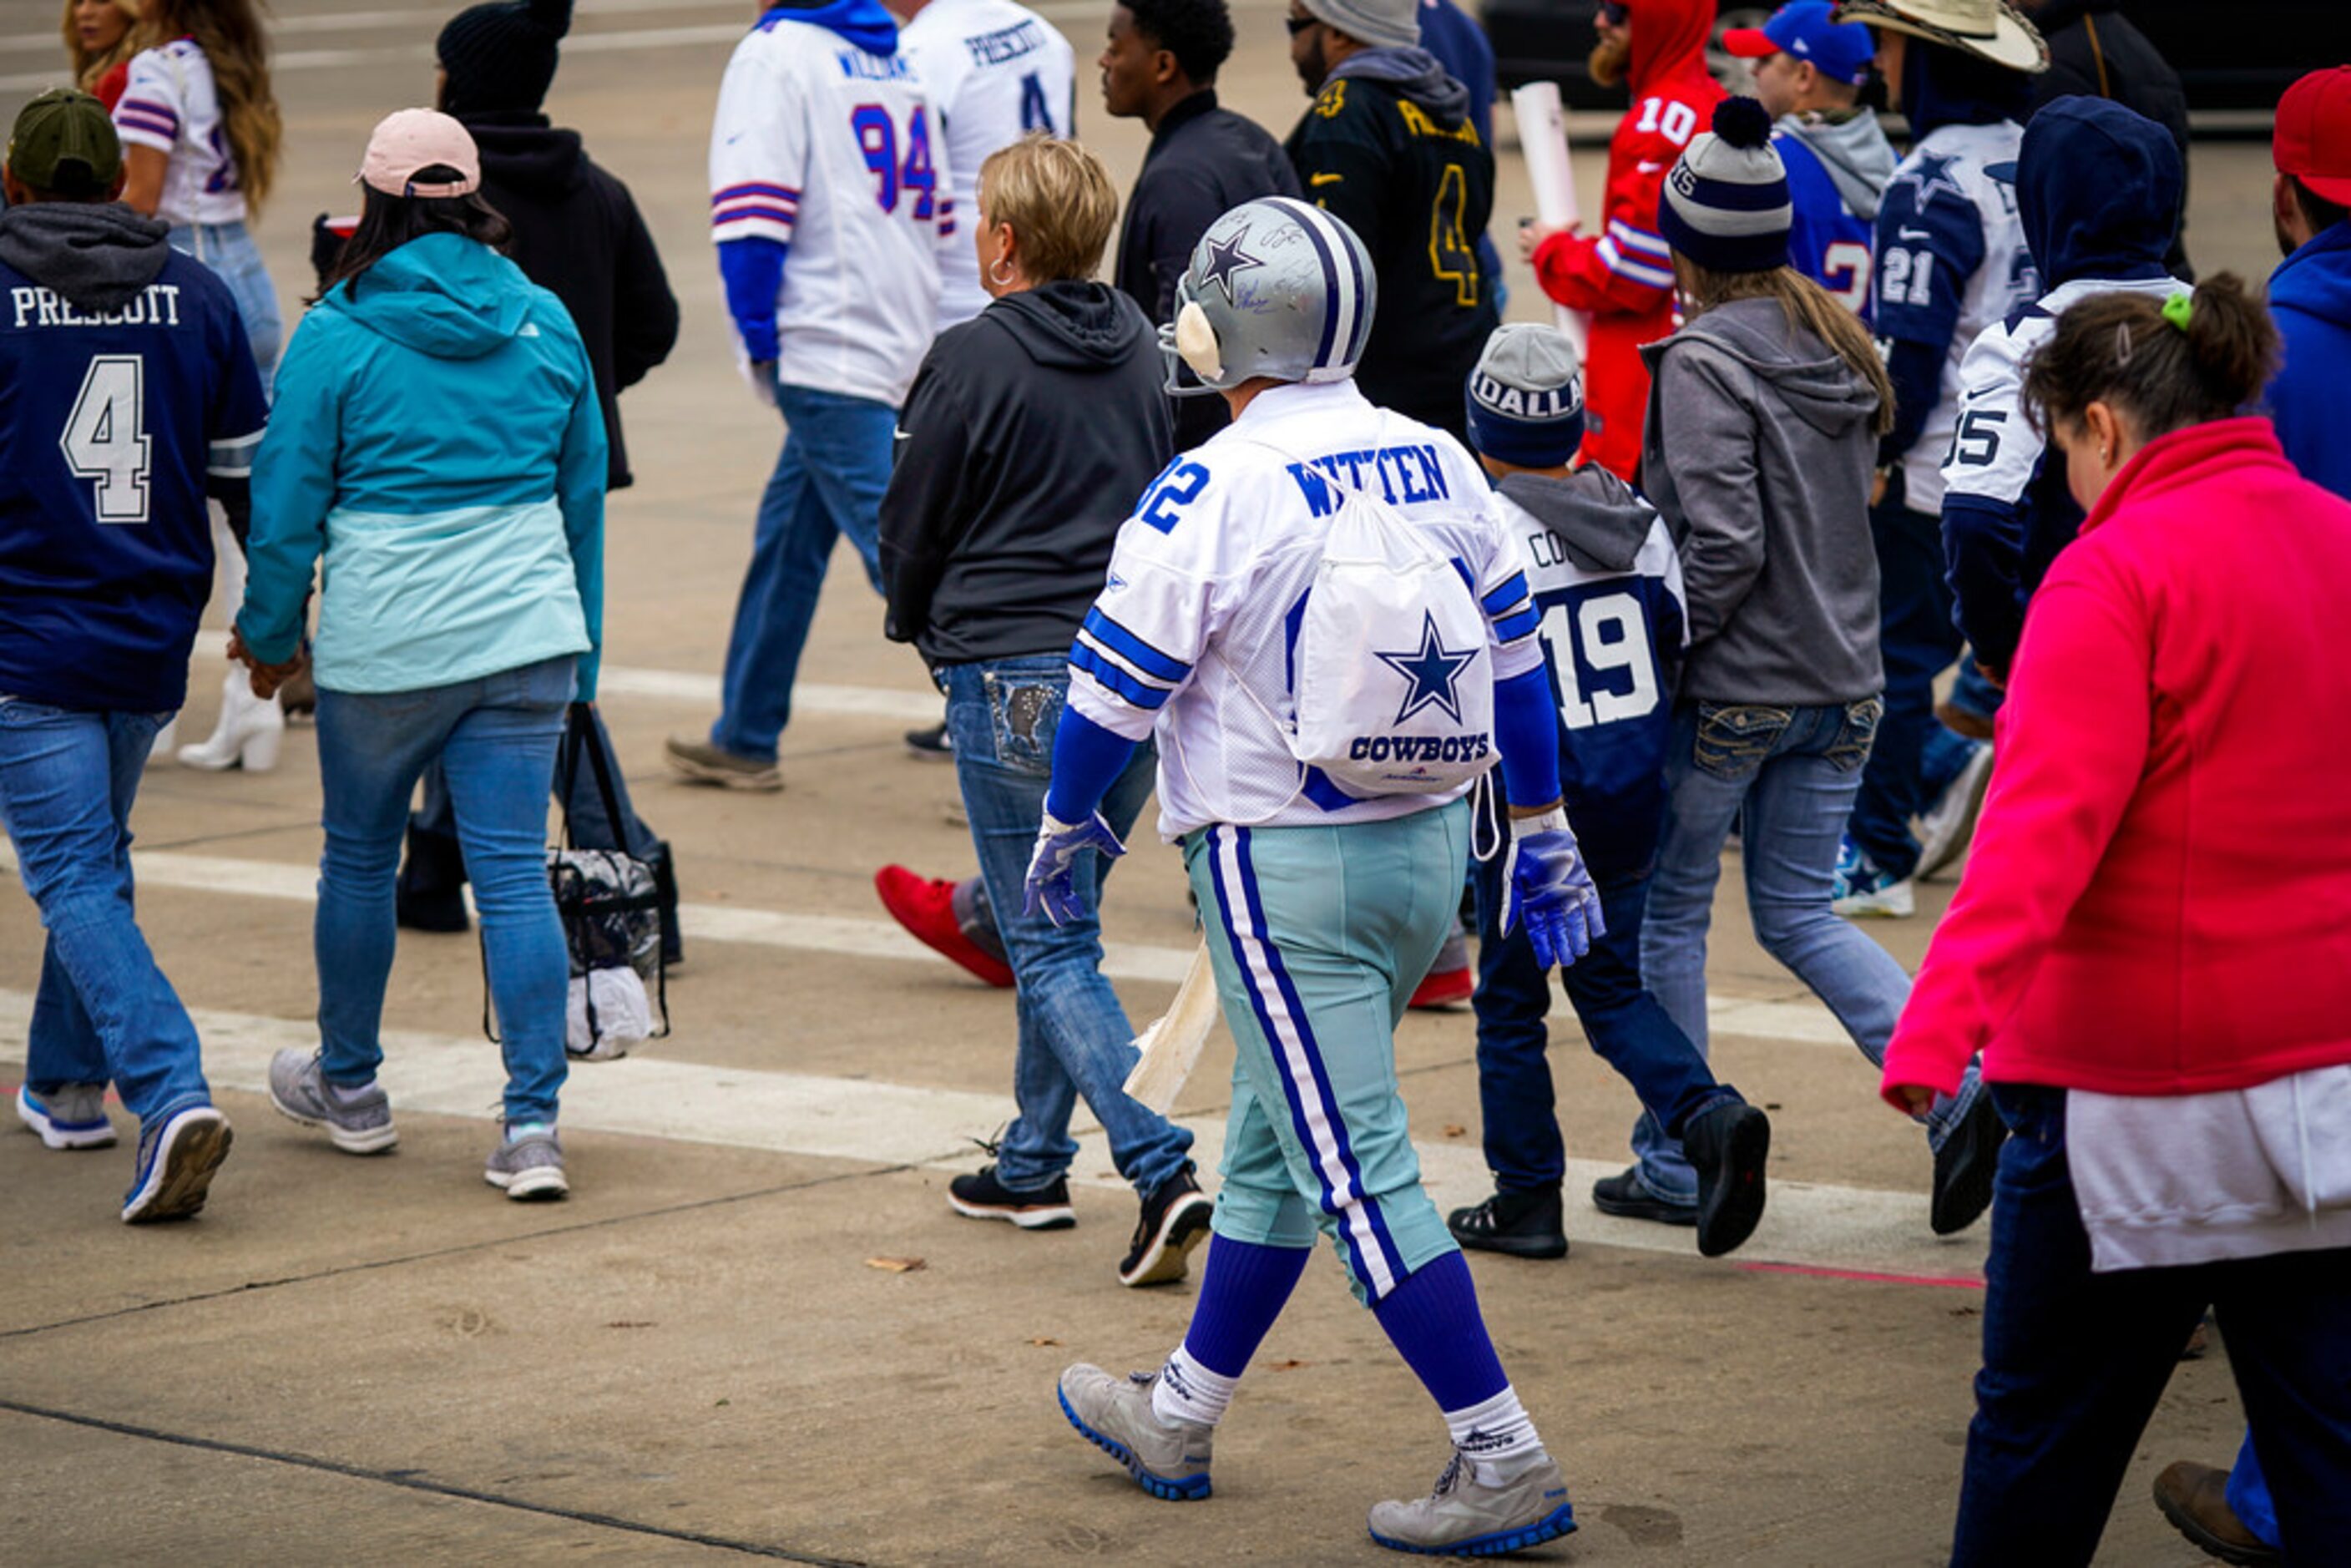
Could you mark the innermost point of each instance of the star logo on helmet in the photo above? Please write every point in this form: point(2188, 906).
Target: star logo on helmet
point(1226, 257)
point(1429, 672)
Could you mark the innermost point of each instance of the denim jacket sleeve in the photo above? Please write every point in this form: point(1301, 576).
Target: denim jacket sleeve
point(293, 489)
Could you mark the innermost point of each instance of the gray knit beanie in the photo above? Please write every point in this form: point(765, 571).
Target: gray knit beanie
point(1725, 204)
point(1386, 24)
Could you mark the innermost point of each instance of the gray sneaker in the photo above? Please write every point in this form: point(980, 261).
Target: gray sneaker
point(70, 1116)
point(707, 763)
point(1465, 1518)
point(1114, 1415)
point(356, 1124)
point(529, 1166)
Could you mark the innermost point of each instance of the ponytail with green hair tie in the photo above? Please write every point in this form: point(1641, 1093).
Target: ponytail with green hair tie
point(2178, 308)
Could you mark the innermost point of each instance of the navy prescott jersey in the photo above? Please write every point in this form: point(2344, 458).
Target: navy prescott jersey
point(1612, 631)
point(109, 424)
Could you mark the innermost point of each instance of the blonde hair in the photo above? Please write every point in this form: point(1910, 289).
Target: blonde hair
point(88, 67)
point(1808, 306)
point(1059, 199)
point(229, 31)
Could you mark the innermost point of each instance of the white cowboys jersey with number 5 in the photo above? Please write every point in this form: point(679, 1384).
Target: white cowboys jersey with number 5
point(1192, 636)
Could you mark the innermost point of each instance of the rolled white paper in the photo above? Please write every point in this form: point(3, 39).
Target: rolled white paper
point(1542, 135)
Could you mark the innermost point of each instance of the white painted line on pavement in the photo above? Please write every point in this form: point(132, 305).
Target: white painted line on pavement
point(893, 1124)
point(846, 936)
point(808, 696)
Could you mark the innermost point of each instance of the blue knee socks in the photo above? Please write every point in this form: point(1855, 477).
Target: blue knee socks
point(1243, 1289)
point(1432, 1320)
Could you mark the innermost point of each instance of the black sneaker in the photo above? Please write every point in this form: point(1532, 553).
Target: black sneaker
point(1728, 1143)
point(1522, 1224)
point(980, 1196)
point(1964, 1168)
point(1625, 1197)
point(1174, 1220)
point(931, 744)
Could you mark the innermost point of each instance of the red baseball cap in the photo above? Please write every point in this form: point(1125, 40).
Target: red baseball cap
point(2313, 142)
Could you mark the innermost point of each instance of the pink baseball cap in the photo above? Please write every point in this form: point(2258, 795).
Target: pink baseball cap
point(414, 139)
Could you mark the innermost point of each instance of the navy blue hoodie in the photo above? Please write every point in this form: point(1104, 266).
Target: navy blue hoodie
point(2097, 192)
point(2310, 299)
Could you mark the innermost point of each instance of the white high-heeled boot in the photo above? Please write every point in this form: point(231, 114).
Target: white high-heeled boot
point(167, 741)
point(248, 733)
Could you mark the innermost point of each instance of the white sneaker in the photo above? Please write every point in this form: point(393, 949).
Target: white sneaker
point(1465, 1517)
point(1944, 831)
point(1861, 892)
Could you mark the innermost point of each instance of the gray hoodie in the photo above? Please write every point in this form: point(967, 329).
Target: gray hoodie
point(1759, 451)
point(95, 254)
point(1853, 149)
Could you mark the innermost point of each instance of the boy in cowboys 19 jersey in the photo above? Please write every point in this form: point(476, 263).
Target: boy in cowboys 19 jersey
point(127, 389)
point(1607, 584)
point(1323, 909)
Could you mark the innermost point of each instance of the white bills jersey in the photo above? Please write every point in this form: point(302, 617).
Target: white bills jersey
point(832, 151)
point(994, 71)
point(1951, 261)
point(171, 105)
point(1193, 636)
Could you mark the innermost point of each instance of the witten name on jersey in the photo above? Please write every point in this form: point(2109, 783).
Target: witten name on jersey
point(994, 72)
point(1191, 638)
point(832, 151)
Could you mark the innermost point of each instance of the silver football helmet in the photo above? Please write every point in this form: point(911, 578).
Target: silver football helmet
point(1276, 288)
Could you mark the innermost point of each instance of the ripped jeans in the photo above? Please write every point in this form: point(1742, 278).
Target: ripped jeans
point(1075, 1040)
point(1788, 776)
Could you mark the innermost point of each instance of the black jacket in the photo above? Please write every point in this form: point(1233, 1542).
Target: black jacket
point(2096, 51)
point(1204, 162)
point(1029, 434)
point(1389, 148)
point(578, 234)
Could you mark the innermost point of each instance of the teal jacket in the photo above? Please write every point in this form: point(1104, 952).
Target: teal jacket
point(436, 436)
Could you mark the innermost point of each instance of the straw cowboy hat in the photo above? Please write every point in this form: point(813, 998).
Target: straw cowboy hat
point(1989, 29)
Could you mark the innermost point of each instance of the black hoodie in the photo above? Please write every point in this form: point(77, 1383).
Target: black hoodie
point(1029, 434)
point(578, 234)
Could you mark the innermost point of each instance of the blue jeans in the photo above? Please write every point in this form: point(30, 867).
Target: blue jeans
point(1625, 1023)
point(496, 740)
point(2075, 1362)
point(1788, 775)
point(1917, 641)
point(229, 250)
point(1074, 1037)
point(582, 802)
point(104, 1010)
point(828, 482)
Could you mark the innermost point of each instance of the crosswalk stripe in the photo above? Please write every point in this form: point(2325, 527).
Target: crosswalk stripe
point(1816, 1225)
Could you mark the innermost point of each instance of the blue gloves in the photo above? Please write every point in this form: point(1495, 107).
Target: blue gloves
point(1051, 885)
point(1549, 890)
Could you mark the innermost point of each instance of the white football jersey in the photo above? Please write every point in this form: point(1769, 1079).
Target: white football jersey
point(1191, 639)
point(832, 151)
point(171, 105)
point(1943, 186)
point(1995, 448)
point(994, 71)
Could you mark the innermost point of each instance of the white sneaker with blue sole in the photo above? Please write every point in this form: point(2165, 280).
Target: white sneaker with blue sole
point(1465, 1516)
point(1169, 1460)
point(70, 1116)
point(177, 1161)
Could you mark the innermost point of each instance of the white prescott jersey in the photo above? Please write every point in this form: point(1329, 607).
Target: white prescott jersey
point(171, 105)
point(1943, 213)
point(833, 151)
point(1191, 639)
point(1995, 447)
point(994, 71)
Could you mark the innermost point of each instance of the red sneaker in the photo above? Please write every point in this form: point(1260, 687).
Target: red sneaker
point(926, 907)
point(1443, 988)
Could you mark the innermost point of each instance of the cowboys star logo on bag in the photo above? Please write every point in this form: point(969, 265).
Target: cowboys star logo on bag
point(1429, 672)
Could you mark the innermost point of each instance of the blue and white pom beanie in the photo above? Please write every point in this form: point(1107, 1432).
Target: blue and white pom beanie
point(1526, 401)
point(1724, 204)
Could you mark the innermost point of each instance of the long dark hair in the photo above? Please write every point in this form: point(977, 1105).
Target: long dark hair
point(386, 222)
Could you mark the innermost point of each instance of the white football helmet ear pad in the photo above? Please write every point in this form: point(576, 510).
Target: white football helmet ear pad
point(1195, 339)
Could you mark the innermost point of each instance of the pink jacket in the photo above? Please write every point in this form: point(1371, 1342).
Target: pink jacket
point(2159, 901)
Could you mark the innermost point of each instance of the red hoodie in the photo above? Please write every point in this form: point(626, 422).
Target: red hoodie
point(2159, 901)
point(1621, 271)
